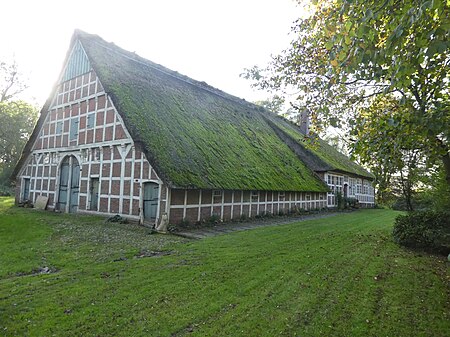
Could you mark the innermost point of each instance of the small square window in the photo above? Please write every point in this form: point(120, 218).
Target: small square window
point(255, 196)
point(59, 127)
point(217, 193)
point(90, 121)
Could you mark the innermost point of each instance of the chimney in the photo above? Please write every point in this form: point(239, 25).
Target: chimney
point(304, 122)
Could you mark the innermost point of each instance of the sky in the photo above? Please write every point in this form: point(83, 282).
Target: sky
point(207, 40)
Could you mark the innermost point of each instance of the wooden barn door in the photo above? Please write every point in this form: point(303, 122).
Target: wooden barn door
point(63, 184)
point(94, 194)
point(26, 189)
point(69, 185)
point(151, 200)
point(74, 185)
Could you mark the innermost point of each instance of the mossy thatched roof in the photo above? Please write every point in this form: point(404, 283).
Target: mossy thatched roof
point(194, 135)
point(315, 152)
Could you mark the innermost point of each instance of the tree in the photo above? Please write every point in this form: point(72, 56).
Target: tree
point(349, 55)
point(17, 119)
point(379, 130)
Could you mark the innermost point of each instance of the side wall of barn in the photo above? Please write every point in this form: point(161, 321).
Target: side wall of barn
point(193, 206)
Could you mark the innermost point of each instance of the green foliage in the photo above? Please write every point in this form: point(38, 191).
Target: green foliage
point(419, 202)
point(438, 195)
point(351, 202)
point(427, 230)
point(6, 191)
point(273, 104)
point(307, 277)
point(17, 119)
point(348, 52)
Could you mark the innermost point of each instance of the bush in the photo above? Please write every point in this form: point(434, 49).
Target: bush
point(6, 191)
point(420, 202)
point(426, 230)
point(351, 202)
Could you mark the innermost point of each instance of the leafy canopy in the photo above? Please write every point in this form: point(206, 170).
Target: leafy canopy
point(17, 119)
point(348, 52)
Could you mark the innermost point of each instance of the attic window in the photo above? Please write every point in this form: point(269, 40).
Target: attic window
point(90, 121)
point(59, 127)
point(73, 129)
point(78, 63)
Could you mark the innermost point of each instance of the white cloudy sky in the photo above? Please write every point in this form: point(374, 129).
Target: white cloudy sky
point(208, 40)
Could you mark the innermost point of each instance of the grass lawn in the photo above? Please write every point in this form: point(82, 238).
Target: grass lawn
point(65, 275)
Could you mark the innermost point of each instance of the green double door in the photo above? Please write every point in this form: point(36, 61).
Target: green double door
point(69, 185)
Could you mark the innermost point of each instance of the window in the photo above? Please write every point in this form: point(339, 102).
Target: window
point(90, 121)
point(59, 127)
point(217, 196)
point(85, 155)
point(255, 196)
point(73, 134)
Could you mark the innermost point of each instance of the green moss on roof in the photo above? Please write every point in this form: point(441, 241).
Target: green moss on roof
point(194, 135)
point(327, 157)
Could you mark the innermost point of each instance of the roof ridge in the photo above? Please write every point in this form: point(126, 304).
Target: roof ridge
point(172, 73)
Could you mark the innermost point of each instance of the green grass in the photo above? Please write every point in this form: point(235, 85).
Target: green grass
point(339, 276)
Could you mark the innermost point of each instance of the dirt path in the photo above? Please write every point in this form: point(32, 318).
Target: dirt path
point(224, 228)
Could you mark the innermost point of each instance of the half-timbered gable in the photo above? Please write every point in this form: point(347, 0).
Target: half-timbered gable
point(123, 135)
point(83, 158)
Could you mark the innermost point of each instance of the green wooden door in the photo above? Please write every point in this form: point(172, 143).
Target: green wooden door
point(151, 199)
point(63, 184)
point(69, 184)
point(74, 186)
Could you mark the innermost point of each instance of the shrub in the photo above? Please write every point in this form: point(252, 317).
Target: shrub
point(420, 202)
point(6, 191)
point(213, 219)
point(427, 230)
point(351, 202)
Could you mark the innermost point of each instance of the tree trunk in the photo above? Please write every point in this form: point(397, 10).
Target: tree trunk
point(446, 161)
point(407, 191)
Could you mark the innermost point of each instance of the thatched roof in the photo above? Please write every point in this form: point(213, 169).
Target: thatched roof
point(196, 136)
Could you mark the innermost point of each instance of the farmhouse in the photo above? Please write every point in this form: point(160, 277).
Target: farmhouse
point(122, 135)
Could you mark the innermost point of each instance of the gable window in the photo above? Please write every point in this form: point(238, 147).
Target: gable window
point(59, 127)
point(73, 132)
point(90, 121)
